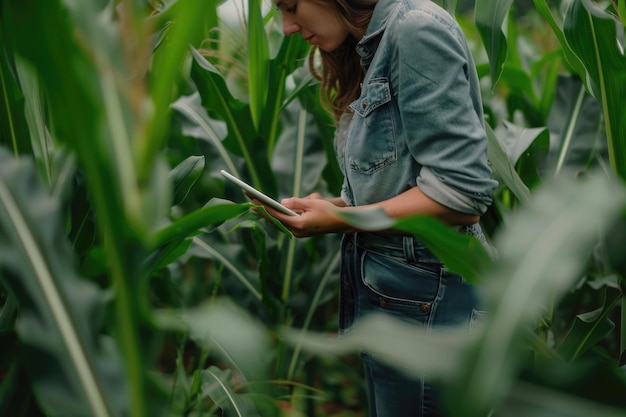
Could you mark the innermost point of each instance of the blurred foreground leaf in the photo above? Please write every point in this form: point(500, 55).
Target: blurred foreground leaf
point(542, 251)
point(76, 371)
point(460, 253)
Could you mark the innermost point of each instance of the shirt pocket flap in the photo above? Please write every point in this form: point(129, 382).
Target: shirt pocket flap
point(374, 95)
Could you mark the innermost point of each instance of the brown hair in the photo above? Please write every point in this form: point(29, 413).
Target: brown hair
point(341, 73)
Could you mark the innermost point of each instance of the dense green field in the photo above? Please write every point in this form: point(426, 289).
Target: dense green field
point(134, 281)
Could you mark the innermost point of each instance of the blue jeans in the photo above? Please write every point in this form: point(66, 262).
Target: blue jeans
point(397, 275)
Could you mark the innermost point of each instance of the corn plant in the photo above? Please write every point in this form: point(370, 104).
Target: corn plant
point(134, 281)
point(78, 97)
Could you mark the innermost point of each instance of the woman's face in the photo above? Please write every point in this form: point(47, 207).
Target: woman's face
point(317, 23)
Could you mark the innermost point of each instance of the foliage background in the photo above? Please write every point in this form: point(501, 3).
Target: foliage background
point(135, 282)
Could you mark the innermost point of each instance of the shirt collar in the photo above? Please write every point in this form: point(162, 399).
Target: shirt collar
point(380, 17)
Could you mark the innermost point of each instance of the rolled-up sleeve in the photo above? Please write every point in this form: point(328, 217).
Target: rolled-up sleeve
point(441, 112)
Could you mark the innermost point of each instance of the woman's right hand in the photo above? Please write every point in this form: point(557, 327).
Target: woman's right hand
point(317, 215)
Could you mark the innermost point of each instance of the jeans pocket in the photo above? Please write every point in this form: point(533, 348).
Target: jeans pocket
point(395, 287)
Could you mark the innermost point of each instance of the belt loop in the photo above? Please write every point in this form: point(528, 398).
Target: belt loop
point(409, 249)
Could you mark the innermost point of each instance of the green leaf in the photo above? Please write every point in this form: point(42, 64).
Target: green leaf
point(526, 399)
point(233, 335)
point(187, 28)
point(13, 127)
point(593, 36)
point(575, 124)
point(416, 351)
point(518, 80)
point(590, 328)
point(461, 253)
point(75, 371)
point(225, 255)
point(292, 53)
point(214, 212)
point(526, 148)
point(258, 57)
point(218, 385)
point(541, 254)
point(371, 220)
point(185, 175)
point(519, 140)
point(570, 57)
point(490, 17)
point(196, 123)
point(7, 314)
point(504, 168)
point(218, 100)
point(40, 137)
point(169, 253)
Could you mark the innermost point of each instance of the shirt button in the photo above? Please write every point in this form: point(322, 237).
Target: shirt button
point(364, 104)
point(382, 302)
point(425, 308)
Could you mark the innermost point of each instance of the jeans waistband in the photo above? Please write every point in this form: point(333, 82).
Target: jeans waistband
point(406, 246)
point(396, 245)
point(397, 239)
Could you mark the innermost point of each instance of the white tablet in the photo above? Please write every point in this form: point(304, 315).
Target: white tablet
point(259, 195)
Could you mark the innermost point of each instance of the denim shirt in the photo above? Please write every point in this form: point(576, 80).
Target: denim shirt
point(419, 118)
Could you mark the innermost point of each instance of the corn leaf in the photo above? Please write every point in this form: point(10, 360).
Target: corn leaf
point(258, 57)
point(217, 384)
point(490, 18)
point(185, 175)
point(570, 57)
point(13, 127)
point(231, 334)
point(214, 212)
point(593, 35)
point(218, 101)
point(460, 253)
point(291, 53)
point(196, 123)
point(542, 254)
point(590, 328)
point(187, 28)
point(76, 372)
point(504, 168)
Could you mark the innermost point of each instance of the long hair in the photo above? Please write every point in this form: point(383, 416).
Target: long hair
point(341, 73)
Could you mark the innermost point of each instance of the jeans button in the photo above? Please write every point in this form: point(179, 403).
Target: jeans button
point(425, 308)
point(382, 302)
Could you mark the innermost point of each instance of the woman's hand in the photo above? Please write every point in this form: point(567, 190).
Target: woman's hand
point(317, 215)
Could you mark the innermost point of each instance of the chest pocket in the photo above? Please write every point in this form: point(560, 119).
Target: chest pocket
point(371, 139)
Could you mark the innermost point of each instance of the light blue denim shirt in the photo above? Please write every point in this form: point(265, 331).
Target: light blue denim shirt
point(419, 118)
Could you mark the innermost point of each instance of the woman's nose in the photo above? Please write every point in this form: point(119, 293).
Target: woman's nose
point(290, 26)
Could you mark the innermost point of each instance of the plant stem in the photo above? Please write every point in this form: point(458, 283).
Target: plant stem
point(309, 316)
point(9, 113)
point(622, 334)
point(129, 330)
point(569, 132)
point(297, 181)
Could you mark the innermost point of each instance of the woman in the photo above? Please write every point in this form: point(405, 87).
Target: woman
point(400, 81)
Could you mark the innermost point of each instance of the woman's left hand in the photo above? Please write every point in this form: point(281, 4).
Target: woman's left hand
point(316, 216)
